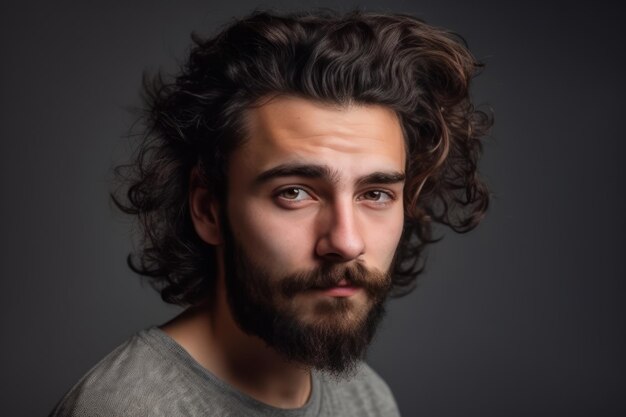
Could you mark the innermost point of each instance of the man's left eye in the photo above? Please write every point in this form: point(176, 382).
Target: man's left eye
point(377, 196)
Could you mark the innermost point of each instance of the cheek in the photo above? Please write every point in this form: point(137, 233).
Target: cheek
point(383, 237)
point(274, 238)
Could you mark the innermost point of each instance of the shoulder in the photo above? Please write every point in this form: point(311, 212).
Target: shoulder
point(366, 392)
point(134, 374)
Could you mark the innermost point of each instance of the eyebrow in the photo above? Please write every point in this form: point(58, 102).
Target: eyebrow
point(392, 177)
point(326, 173)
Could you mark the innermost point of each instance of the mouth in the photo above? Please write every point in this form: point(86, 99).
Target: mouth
point(342, 289)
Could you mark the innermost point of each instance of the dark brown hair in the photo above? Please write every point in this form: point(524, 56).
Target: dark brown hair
point(421, 72)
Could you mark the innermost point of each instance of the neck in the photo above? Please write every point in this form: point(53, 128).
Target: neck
point(212, 337)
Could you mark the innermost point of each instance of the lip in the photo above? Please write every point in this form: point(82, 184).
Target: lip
point(340, 291)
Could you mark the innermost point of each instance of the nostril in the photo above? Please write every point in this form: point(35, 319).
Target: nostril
point(333, 256)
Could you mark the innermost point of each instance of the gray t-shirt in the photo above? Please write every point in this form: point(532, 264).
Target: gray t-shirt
point(152, 375)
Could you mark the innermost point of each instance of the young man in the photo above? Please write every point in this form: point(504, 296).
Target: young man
point(286, 184)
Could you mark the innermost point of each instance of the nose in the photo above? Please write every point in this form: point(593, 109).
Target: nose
point(339, 239)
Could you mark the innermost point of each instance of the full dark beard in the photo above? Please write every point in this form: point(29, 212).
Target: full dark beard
point(340, 332)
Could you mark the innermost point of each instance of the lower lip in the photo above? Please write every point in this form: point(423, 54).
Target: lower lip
point(340, 291)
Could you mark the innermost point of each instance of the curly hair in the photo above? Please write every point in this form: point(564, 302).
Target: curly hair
point(194, 121)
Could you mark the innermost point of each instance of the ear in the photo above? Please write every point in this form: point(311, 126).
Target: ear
point(204, 210)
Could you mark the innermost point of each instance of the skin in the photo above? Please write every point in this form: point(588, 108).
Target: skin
point(291, 215)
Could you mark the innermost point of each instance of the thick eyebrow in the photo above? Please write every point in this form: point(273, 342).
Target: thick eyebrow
point(392, 177)
point(298, 170)
point(326, 173)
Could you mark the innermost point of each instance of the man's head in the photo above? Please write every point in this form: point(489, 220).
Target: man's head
point(303, 152)
point(310, 226)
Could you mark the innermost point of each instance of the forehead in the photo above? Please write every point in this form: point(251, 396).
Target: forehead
point(348, 138)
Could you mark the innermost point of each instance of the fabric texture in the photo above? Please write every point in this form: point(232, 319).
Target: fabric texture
point(152, 375)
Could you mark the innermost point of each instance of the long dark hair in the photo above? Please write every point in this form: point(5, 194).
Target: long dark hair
point(194, 120)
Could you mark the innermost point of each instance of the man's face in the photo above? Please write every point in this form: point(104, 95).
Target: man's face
point(312, 221)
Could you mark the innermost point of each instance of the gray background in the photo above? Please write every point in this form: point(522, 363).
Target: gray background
point(522, 317)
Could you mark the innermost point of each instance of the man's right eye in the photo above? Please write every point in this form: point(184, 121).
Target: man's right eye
point(294, 194)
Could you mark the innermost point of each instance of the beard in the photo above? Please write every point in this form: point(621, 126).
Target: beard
point(332, 335)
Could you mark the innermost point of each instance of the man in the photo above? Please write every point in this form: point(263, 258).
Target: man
point(286, 183)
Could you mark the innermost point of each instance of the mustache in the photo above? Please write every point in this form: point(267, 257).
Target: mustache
point(375, 282)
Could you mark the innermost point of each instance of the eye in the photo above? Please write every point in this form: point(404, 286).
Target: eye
point(294, 194)
point(377, 196)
